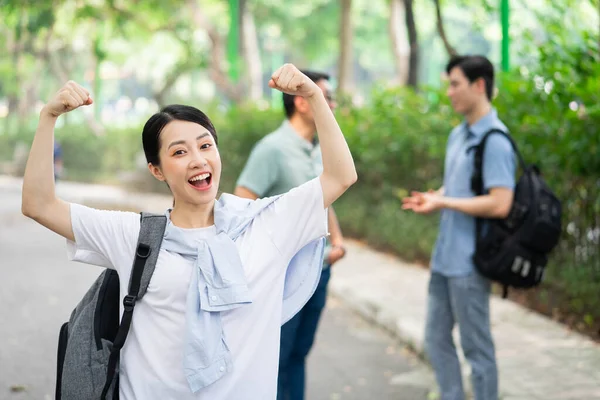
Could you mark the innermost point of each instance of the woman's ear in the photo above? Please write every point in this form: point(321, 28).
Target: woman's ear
point(156, 172)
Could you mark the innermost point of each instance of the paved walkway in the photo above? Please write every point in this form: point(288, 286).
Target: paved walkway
point(539, 359)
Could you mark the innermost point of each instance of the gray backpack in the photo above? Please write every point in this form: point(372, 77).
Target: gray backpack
point(90, 343)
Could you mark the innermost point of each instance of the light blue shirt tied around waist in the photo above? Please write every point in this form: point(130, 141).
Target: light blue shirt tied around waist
point(219, 284)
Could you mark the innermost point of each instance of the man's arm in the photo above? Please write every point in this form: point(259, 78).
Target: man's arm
point(241, 191)
point(496, 204)
point(498, 177)
point(335, 231)
point(337, 240)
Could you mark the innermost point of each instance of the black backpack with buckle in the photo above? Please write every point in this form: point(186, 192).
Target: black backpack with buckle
point(514, 251)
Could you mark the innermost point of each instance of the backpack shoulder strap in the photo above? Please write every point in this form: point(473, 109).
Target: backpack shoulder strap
point(477, 178)
point(152, 228)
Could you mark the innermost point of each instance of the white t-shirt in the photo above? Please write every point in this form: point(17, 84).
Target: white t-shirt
point(152, 358)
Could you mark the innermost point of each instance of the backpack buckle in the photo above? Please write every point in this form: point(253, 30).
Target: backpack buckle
point(143, 250)
point(129, 302)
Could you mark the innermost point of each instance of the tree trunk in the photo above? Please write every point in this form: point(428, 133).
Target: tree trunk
point(217, 55)
point(22, 103)
point(399, 40)
point(12, 97)
point(440, 28)
point(216, 70)
point(99, 56)
point(18, 62)
point(30, 90)
point(413, 64)
point(181, 68)
point(250, 52)
point(345, 63)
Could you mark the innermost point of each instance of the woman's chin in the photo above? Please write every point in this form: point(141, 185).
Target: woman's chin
point(199, 197)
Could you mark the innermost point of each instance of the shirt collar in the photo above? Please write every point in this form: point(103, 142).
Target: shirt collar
point(291, 133)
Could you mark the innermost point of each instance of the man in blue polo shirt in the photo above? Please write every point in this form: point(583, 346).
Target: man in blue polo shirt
point(279, 162)
point(458, 294)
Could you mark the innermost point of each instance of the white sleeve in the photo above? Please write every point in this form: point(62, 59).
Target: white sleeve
point(103, 238)
point(297, 218)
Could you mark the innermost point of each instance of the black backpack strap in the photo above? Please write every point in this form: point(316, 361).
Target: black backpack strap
point(477, 178)
point(477, 184)
point(152, 230)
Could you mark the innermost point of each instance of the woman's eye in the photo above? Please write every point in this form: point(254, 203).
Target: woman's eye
point(178, 152)
point(205, 146)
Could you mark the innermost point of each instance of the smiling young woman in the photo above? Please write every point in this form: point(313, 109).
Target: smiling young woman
point(229, 272)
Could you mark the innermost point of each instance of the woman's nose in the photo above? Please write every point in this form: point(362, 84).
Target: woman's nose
point(197, 160)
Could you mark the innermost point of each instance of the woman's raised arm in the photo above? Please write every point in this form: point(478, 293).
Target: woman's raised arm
point(339, 172)
point(39, 200)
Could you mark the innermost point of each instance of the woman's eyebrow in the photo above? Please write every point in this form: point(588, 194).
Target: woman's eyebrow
point(175, 143)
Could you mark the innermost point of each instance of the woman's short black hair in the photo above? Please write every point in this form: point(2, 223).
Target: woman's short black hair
point(156, 123)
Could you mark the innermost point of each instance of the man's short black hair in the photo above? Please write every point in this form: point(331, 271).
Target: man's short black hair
point(288, 99)
point(475, 67)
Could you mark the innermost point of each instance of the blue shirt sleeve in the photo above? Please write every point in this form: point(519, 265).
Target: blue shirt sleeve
point(499, 163)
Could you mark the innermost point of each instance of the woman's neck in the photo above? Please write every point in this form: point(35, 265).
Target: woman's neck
point(190, 216)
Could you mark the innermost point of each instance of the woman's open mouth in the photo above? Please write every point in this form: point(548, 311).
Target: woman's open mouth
point(201, 181)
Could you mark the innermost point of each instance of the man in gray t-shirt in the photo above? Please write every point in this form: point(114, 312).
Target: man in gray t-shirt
point(279, 162)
